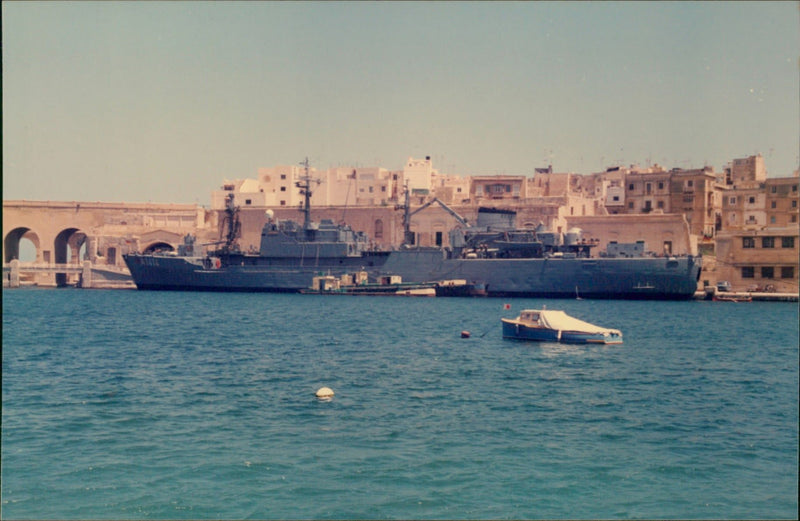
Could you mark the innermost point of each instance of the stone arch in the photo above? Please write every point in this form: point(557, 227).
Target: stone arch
point(159, 246)
point(12, 240)
point(67, 246)
point(67, 250)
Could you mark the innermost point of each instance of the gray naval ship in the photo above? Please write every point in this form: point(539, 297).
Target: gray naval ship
point(493, 253)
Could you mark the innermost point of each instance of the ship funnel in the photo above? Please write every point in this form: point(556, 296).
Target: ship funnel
point(573, 236)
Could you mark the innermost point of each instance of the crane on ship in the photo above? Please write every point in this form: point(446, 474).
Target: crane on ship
point(408, 236)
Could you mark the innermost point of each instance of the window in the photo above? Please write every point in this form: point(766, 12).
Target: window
point(772, 220)
point(690, 183)
point(748, 272)
point(794, 188)
point(767, 272)
point(794, 204)
point(648, 187)
point(283, 189)
point(283, 203)
point(767, 242)
point(787, 242)
point(752, 200)
point(748, 242)
point(773, 204)
point(438, 238)
point(774, 189)
point(787, 272)
point(378, 229)
point(661, 185)
point(630, 186)
point(615, 198)
point(283, 176)
point(661, 204)
point(248, 201)
point(732, 200)
point(630, 205)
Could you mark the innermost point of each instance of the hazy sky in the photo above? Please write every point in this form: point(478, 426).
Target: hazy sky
point(160, 102)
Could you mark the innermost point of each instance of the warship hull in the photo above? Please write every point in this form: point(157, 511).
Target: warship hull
point(641, 278)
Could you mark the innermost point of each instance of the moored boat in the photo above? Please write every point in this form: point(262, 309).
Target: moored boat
point(732, 298)
point(359, 284)
point(545, 325)
point(460, 288)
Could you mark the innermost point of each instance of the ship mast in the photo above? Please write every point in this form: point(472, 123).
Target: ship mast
point(305, 189)
point(232, 224)
point(407, 235)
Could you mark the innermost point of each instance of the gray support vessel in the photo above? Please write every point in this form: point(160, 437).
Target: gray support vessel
point(506, 260)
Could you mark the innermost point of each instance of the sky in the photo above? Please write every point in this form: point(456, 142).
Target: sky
point(163, 101)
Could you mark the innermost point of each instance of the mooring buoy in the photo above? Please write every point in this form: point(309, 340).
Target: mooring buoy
point(324, 392)
point(465, 334)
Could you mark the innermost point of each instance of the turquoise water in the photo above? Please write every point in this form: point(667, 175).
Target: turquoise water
point(126, 404)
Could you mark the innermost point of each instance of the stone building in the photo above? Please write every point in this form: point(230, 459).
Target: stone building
point(746, 171)
point(758, 231)
point(663, 234)
point(759, 259)
point(687, 192)
point(781, 198)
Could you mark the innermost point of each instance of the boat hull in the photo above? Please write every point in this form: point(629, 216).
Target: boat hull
point(616, 278)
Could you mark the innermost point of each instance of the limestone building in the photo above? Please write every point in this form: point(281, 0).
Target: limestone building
point(758, 231)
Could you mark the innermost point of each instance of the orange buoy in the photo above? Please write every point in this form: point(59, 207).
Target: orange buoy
point(465, 334)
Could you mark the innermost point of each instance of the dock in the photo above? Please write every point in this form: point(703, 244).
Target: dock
point(760, 296)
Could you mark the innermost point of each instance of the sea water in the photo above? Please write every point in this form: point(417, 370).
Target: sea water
point(130, 404)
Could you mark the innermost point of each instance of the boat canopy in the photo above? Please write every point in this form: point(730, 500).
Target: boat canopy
point(559, 320)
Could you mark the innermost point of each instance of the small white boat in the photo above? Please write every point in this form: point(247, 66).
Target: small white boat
point(546, 325)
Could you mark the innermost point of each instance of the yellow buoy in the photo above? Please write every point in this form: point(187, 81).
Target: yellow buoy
point(324, 392)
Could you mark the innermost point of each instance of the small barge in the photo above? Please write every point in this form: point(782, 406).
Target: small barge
point(358, 284)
